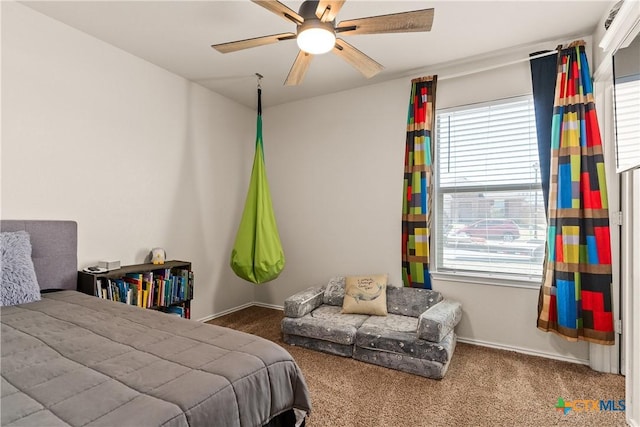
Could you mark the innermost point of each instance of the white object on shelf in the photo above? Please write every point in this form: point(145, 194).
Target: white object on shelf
point(109, 265)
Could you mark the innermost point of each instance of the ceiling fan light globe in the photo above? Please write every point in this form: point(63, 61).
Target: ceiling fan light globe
point(316, 39)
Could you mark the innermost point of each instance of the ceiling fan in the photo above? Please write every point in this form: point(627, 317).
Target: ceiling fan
point(316, 34)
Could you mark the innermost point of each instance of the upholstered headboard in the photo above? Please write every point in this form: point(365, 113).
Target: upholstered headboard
point(54, 250)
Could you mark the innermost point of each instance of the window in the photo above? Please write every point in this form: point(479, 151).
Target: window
point(490, 211)
point(627, 110)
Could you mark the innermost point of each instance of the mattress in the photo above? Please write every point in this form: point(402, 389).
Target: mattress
point(73, 359)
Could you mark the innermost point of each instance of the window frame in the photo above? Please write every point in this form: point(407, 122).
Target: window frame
point(529, 281)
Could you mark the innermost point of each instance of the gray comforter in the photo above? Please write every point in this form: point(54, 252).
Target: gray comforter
point(73, 359)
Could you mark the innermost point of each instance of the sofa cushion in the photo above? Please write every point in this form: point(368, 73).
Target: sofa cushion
point(411, 301)
point(388, 340)
point(435, 323)
point(334, 291)
point(393, 322)
point(345, 350)
point(303, 302)
point(402, 362)
point(366, 295)
point(334, 314)
point(325, 323)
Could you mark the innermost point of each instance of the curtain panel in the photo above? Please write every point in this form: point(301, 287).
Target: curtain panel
point(543, 82)
point(417, 189)
point(575, 297)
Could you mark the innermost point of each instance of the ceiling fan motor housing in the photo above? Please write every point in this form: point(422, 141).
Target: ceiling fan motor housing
point(314, 36)
point(308, 10)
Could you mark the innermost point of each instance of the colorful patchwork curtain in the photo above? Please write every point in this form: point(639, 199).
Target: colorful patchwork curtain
point(575, 298)
point(418, 175)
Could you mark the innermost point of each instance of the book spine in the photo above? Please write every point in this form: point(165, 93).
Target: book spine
point(184, 284)
point(191, 285)
point(148, 285)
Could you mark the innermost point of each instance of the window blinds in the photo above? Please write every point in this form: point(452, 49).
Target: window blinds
point(627, 107)
point(490, 214)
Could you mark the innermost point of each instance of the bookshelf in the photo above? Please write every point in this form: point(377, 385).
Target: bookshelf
point(165, 287)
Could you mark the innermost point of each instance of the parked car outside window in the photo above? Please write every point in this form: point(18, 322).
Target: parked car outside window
point(504, 229)
point(493, 236)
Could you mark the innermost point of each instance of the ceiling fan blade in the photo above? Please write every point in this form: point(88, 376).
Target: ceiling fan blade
point(361, 62)
point(404, 22)
point(248, 43)
point(299, 69)
point(280, 10)
point(328, 9)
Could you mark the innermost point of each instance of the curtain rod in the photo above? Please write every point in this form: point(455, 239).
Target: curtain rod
point(493, 67)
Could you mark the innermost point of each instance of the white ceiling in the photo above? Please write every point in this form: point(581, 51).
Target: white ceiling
point(177, 35)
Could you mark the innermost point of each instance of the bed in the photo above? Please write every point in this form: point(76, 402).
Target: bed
point(71, 359)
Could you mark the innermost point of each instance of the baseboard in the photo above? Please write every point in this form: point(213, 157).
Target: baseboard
point(523, 350)
point(471, 341)
point(238, 308)
point(272, 306)
point(225, 312)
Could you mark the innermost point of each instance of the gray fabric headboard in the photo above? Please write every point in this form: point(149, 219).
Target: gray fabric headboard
point(54, 250)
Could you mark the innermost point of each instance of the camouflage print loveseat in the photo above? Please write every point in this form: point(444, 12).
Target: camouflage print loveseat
point(416, 336)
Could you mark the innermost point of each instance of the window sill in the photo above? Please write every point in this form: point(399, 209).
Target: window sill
point(488, 279)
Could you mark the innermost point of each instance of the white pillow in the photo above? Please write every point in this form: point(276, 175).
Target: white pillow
point(19, 282)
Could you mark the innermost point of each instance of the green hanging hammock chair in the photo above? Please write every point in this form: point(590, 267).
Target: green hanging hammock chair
point(257, 254)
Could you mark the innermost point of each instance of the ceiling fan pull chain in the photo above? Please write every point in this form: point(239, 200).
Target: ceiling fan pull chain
point(259, 76)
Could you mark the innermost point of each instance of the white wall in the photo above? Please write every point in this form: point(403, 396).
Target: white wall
point(335, 166)
point(138, 156)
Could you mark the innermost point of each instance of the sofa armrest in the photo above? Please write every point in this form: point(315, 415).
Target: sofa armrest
point(436, 322)
point(303, 302)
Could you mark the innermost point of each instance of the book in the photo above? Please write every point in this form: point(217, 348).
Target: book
point(123, 290)
point(135, 279)
point(184, 284)
point(109, 290)
point(147, 286)
point(176, 309)
point(132, 295)
point(101, 288)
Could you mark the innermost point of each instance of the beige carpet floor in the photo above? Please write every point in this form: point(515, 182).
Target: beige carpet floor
point(483, 387)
